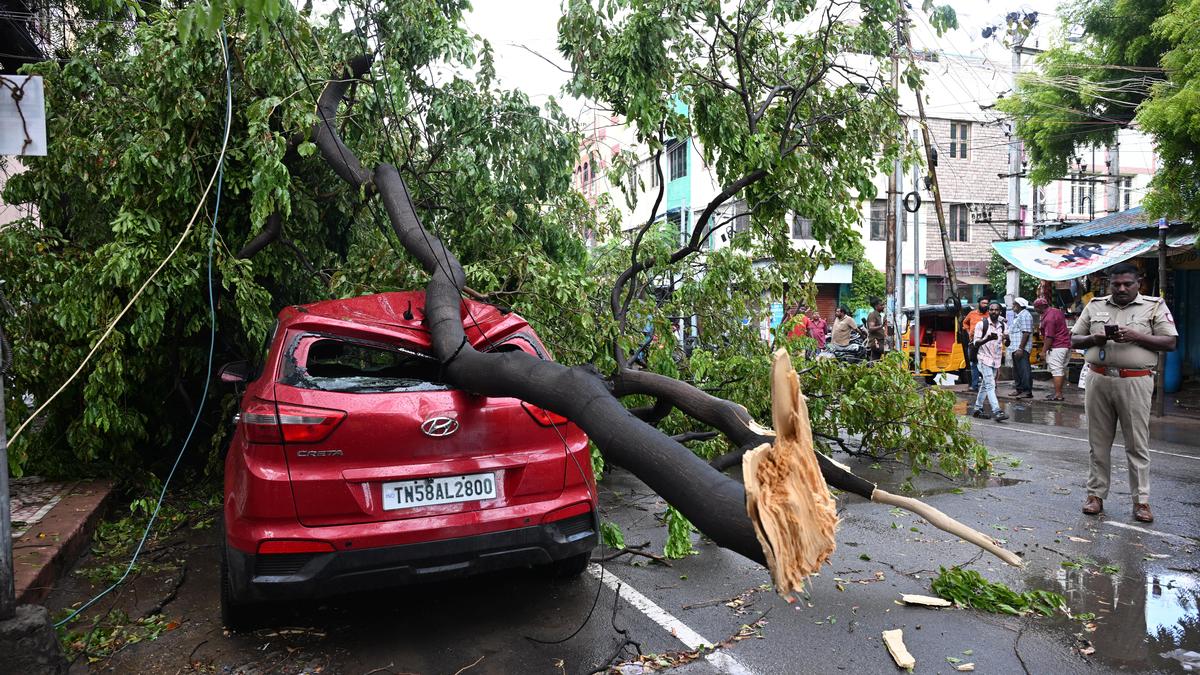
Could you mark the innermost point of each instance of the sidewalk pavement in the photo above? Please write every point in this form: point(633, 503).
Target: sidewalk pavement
point(52, 527)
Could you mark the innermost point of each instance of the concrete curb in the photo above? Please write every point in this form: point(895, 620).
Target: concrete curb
point(51, 547)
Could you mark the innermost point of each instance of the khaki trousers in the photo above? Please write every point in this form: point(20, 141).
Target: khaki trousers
point(1125, 399)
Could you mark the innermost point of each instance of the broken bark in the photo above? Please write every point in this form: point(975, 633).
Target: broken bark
point(793, 513)
point(713, 502)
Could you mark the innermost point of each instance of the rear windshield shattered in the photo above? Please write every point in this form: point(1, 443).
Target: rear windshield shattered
point(335, 364)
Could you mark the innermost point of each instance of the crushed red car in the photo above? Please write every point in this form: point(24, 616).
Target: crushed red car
point(354, 467)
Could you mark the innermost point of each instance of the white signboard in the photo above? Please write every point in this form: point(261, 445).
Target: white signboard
point(22, 115)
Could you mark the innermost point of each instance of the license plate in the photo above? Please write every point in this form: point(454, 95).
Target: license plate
point(443, 490)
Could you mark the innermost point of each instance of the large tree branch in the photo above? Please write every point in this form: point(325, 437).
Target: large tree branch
point(269, 233)
point(698, 233)
point(716, 504)
point(344, 162)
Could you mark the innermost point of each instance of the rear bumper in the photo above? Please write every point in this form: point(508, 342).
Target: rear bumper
point(317, 575)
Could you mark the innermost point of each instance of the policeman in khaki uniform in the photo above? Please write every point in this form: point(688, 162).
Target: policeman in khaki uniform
point(1123, 333)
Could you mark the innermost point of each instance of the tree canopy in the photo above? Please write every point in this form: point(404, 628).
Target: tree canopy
point(136, 116)
point(1133, 64)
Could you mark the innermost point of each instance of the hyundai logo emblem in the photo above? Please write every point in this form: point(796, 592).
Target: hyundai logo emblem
point(439, 426)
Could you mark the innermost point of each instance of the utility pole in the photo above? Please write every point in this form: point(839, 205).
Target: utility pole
point(934, 186)
point(892, 234)
point(1012, 279)
point(916, 286)
point(8, 602)
point(1160, 380)
point(898, 270)
point(1112, 187)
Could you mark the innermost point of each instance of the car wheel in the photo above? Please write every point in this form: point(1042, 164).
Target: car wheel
point(569, 568)
point(236, 615)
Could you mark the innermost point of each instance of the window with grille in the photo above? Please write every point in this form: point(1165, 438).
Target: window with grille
point(801, 227)
point(960, 135)
point(678, 160)
point(879, 220)
point(1128, 192)
point(959, 220)
point(653, 172)
point(741, 211)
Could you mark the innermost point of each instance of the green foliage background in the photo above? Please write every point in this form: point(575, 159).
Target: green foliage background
point(1137, 64)
point(135, 119)
point(136, 116)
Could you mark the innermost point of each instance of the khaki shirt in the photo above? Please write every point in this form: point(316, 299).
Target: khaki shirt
point(1145, 313)
point(842, 329)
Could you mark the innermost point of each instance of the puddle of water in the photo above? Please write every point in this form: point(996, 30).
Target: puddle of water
point(1071, 417)
point(1146, 618)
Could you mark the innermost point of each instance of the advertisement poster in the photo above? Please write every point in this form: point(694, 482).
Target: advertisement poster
point(1064, 259)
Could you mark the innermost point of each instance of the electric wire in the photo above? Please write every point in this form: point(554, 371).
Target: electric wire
point(137, 295)
point(219, 175)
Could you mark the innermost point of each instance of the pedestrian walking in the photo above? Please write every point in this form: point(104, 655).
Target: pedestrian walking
point(1056, 344)
point(843, 328)
point(987, 341)
point(1123, 333)
point(1020, 334)
point(972, 319)
point(876, 330)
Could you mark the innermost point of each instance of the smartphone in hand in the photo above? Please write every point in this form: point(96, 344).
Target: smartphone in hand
point(1110, 330)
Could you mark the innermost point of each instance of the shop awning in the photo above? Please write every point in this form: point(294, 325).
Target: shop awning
point(1062, 259)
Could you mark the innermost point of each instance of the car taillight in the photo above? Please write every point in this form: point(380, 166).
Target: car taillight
point(276, 546)
point(286, 423)
point(542, 416)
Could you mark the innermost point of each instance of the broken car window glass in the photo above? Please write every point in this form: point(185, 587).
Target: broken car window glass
point(334, 364)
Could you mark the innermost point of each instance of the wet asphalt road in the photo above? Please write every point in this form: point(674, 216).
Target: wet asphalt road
point(1143, 585)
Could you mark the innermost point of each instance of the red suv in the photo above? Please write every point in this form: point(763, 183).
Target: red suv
point(354, 466)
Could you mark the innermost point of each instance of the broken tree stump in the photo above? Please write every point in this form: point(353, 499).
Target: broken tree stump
point(794, 515)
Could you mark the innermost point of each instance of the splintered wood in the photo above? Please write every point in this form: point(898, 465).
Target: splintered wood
point(894, 639)
point(793, 513)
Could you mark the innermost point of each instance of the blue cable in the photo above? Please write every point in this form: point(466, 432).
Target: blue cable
point(212, 340)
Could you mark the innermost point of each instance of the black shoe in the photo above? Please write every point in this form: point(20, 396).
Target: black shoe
point(1000, 416)
point(978, 412)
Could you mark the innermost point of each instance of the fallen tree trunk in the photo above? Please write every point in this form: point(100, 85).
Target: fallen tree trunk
point(712, 501)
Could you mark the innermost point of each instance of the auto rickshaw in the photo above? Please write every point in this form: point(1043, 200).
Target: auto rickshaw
point(941, 350)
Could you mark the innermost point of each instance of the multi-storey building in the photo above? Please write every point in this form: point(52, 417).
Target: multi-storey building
point(972, 149)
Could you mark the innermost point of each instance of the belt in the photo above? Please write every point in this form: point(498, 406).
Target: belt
point(1119, 372)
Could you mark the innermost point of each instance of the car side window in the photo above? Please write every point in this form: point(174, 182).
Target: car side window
point(331, 363)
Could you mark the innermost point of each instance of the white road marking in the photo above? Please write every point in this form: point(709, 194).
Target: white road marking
point(1144, 530)
point(1084, 440)
point(722, 661)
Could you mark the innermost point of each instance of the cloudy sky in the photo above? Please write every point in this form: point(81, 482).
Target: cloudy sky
point(510, 26)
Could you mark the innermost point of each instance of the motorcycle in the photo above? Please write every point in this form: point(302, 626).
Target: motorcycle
point(854, 352)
